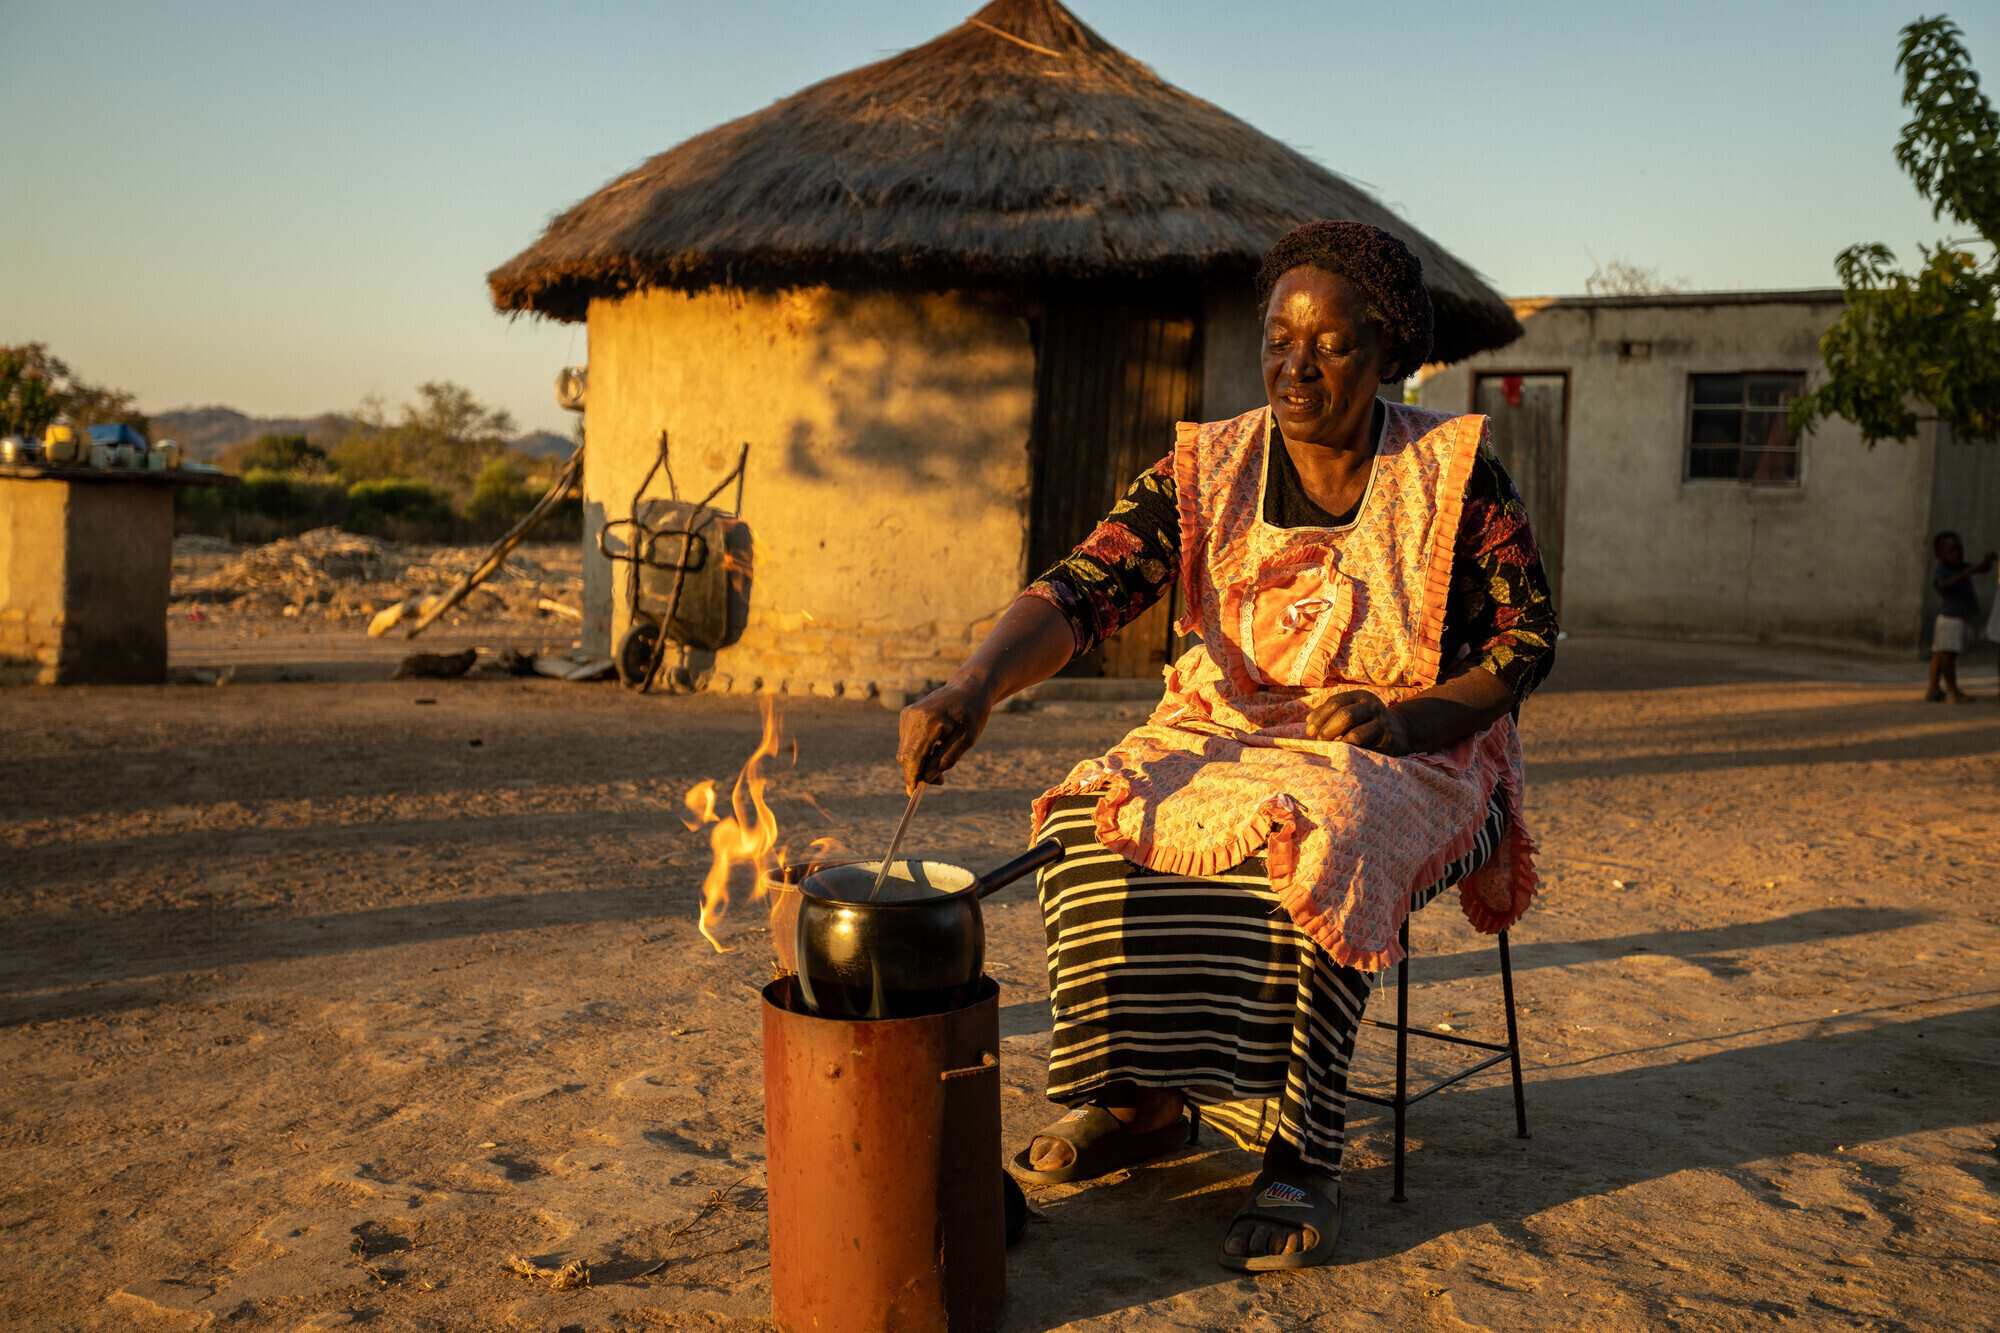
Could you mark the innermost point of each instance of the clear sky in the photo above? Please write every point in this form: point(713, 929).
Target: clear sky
point(284, 206)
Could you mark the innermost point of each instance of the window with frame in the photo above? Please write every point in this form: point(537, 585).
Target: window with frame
point(1738, 428)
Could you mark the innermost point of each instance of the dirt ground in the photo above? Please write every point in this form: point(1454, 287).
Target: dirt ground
point(324, 996)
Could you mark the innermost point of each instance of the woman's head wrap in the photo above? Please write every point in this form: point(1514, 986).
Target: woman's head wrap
point(1388, 274)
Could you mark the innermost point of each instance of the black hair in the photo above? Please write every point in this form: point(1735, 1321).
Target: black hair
point(1388, 274)
point(1937, 542)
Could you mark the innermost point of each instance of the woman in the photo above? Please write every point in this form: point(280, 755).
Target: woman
point(1337, 748)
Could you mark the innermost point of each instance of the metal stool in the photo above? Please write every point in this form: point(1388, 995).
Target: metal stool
point(1401, 1102)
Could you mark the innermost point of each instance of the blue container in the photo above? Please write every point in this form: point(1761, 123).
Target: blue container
point(116, 434)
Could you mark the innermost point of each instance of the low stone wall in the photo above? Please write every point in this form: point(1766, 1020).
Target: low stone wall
point(33, 515)
point(32, 645)
point(84, 571)
point(796, 654)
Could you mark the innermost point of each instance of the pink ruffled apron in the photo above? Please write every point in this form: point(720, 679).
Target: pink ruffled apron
point(1287, 617)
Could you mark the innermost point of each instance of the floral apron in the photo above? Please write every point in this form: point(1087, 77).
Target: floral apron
point(1286, 617)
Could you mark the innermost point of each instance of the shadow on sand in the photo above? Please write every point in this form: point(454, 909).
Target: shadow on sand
point(62, 966)
point(1594, 1133)
point(1709, 949)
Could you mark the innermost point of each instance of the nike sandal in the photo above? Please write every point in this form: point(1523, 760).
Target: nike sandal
point(1292, 1198)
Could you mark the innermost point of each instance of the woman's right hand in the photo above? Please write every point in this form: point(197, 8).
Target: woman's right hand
point(1030, 644)
point(937, 730)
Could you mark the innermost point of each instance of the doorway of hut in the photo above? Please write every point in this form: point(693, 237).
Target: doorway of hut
point(1111, 381)
point(1529, 412)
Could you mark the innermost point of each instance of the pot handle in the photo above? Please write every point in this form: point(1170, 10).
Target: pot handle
point(1027, 863)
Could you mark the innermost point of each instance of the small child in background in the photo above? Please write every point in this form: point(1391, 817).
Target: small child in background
point(1993, 634)
point(1952, 577)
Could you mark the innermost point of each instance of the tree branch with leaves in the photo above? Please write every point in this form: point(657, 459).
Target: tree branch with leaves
point(36, 388)
point(1932, 336)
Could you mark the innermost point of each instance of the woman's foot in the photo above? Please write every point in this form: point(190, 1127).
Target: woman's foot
point(1255, 1237)
point(1934, 695)
point(1143, 1111)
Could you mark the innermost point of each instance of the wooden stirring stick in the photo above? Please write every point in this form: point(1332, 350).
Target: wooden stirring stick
point(902, 827)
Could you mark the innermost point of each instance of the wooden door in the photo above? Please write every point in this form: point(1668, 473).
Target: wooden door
point(1110, 382)
point(1530, 416)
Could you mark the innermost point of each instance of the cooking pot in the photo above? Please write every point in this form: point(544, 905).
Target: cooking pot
point(919, 948)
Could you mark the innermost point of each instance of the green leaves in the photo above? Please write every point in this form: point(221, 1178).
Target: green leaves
point(445, 438)
point(36, 388)
point(1951, 147)
point(30, 389)
point(1929, 336)
point(283, 453)
point(1932, 336)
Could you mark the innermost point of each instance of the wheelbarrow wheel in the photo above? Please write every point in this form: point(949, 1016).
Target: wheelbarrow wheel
point(635, 653)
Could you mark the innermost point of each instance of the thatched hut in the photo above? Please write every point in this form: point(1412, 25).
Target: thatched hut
point(954, 301)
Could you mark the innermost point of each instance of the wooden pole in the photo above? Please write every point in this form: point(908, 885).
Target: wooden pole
point(497, 554)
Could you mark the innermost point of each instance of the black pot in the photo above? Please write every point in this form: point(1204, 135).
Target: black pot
point(919, 948)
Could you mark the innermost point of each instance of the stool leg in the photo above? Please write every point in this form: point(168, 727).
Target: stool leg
point(1513, 1039)
point(1402, 1054)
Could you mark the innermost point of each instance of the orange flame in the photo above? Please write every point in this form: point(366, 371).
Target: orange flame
point(701, 800)
point(749, 834)
point(826, 849)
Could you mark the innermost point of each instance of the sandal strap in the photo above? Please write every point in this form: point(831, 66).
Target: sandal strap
point(1291, 1199)
point(1288, 1197)
point(1086, 1124)
point(1099, 1144)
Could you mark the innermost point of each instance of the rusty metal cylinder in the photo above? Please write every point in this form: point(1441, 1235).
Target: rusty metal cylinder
point(883, 1169)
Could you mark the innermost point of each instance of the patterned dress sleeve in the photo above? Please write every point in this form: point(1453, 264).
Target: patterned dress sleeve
point(1124, 566)
point(1499, 608)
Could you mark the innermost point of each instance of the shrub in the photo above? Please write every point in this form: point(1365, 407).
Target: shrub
point(266, 505)
point(282, 495)
point(396, 497)
point(500, 497)
point(276, 453)
point(263, 506)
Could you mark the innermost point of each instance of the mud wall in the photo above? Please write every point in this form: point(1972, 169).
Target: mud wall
point(85, 568)
point(888, 474)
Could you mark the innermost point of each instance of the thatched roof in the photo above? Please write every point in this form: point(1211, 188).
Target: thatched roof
point(1018, 146)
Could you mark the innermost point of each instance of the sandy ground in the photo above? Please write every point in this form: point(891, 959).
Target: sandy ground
point(323, 997)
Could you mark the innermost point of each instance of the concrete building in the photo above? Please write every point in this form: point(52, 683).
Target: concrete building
point(1648, 438)
point(954, 302)
point(86, 559)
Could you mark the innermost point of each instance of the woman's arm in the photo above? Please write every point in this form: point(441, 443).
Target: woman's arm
point(1032, 642)
point(1113, 576)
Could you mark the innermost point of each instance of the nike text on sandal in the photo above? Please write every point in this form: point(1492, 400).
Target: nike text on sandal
point(1099, 1144)
point(1289, 1199)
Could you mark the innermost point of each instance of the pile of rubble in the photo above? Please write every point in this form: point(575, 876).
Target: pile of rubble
point(340, 574)
point(309, 568)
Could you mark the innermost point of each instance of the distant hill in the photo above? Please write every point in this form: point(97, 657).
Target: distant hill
point(545, 444)
point(204, 432)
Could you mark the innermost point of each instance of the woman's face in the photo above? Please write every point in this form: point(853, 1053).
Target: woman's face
point(1322, 357)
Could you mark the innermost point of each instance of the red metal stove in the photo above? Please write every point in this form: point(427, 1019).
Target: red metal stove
point(884, 1185)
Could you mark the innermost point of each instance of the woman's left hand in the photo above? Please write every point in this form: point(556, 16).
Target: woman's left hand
point(1358, 718)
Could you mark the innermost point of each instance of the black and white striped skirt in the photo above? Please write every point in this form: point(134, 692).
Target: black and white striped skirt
point(1205, 985)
